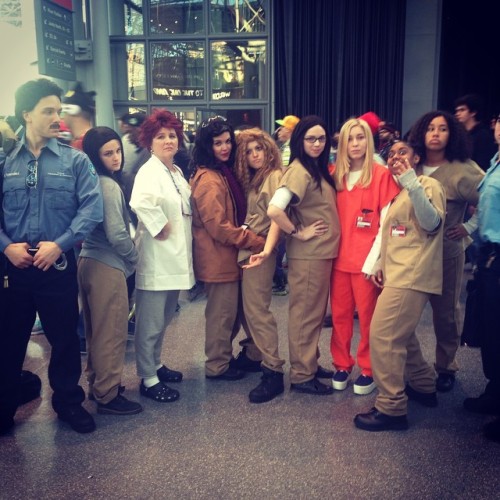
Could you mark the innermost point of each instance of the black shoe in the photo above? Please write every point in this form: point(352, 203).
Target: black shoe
point(230, 374)
point(313, 386)
point(119, 406)
point(29, 388)
point(197, 290)
point(280, 291)
point(6, 426)
point(121, 390)
point(428, 399)
point(376, 421)
point(324, 372)
point(244, 363)
point(167, 375)
point(445, 382)
point(270, 387)
point(160, 392)
point(79, 419)
point(492, 430)
point(484, 404)
point(328, 321)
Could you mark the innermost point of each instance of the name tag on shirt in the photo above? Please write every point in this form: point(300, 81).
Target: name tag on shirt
point(398, 230)
point(365, 219)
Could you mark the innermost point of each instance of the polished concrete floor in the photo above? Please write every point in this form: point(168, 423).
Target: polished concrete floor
point(214, 444)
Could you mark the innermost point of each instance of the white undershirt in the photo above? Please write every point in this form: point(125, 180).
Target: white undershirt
point(281, 198)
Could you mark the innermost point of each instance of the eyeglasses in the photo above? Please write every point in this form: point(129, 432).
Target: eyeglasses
point(32, 177)
point(312, 140)
point(208, 121)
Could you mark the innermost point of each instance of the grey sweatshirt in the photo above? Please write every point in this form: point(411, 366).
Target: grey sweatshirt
point(110, 242)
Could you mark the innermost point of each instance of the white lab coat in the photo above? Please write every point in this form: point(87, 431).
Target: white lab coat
point(168, 264)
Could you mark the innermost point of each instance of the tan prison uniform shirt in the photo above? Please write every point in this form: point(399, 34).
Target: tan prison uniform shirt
point(309, 204)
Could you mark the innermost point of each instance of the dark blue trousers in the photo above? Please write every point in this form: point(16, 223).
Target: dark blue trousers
point(54, 294)
point(489, 293)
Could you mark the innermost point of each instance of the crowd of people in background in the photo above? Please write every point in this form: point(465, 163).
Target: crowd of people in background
point(376, 223)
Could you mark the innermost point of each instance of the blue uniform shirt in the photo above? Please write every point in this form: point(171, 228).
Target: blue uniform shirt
point(489, 203)
point(64, 206)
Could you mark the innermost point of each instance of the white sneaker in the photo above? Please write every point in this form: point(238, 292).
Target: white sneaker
point(340, 379)
point(364, 385)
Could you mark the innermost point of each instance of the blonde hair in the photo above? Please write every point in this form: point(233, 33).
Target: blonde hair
point(343, 161)
point(247, 177)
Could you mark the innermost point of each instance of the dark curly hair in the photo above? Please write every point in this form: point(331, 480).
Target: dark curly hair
point(317, 167)
point(203, 153)
point(160, 118)
point(458, 147)
point(30, 93)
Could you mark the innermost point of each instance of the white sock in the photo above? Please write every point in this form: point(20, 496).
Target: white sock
point(150, 381)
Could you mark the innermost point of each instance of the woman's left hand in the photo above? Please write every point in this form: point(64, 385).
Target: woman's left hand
point(317, 228)
point(401, 167)
point(457, 232)
point(378, 279)
point(256, 260)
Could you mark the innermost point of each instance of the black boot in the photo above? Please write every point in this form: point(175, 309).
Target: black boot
point(271, 385)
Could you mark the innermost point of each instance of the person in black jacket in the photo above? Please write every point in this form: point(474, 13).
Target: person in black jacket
point(469, 111)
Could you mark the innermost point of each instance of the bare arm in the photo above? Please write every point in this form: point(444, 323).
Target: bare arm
point(272, 239)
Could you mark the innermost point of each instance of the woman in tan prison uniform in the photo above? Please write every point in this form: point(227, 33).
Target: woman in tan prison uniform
point(305, 210)
point(446, 157)
point(410, 274)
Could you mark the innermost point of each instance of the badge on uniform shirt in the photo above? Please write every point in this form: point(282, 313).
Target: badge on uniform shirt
point(364, 221)
point(92, 170)
point(398, 230)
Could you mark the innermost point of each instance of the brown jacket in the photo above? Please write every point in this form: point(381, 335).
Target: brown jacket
point(216, 236)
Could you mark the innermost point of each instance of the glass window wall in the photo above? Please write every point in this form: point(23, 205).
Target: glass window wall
point(129, 71)
point(126, 17)
point(238, 69)
point(237, 16)
point(178, 70)
point(195, 57)
point(174, 17)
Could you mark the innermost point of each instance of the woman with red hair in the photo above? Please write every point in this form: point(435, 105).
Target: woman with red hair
point(161, 200)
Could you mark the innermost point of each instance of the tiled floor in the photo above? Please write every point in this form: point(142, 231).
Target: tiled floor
point(214, 444)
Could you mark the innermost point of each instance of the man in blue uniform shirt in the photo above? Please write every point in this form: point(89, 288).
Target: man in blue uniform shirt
point(51, 201)
point(488, 208)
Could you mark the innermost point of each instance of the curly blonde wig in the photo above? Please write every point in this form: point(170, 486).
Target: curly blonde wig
point(247, 176)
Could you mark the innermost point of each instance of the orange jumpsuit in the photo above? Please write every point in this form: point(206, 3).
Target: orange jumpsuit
point(359, 213)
